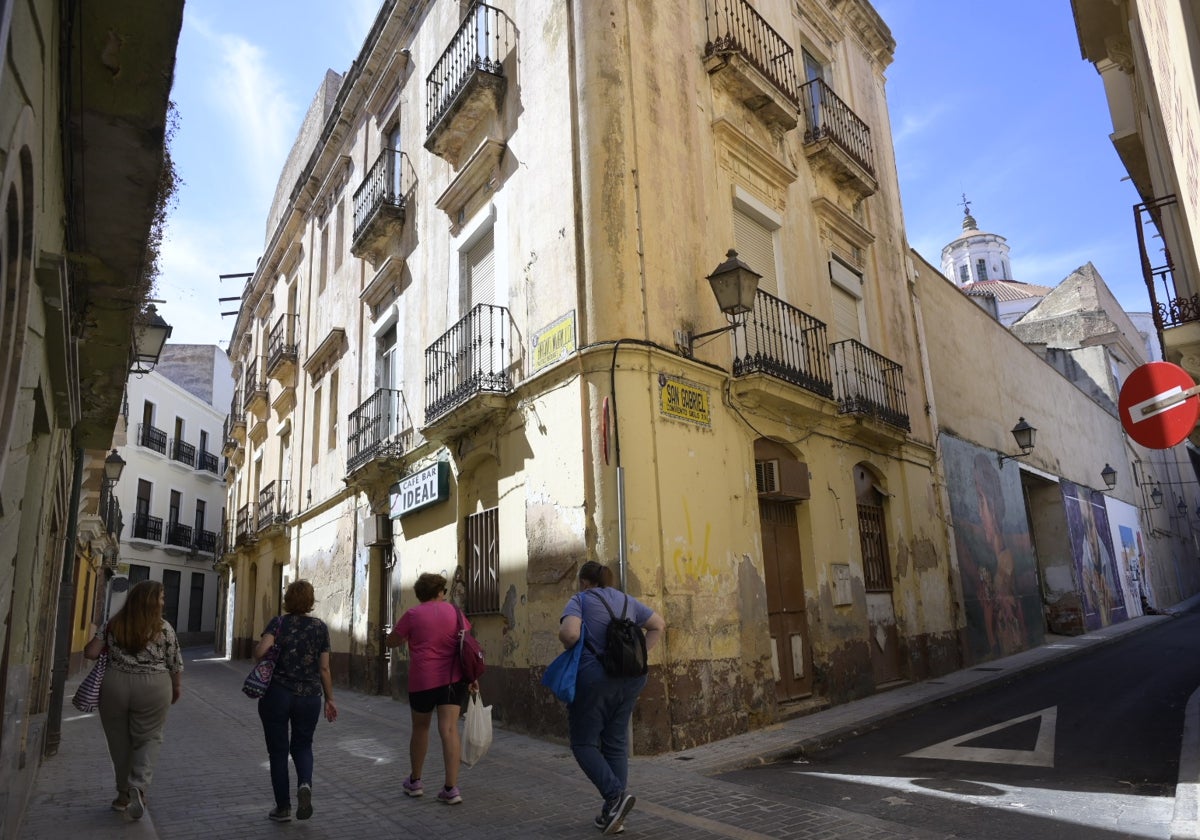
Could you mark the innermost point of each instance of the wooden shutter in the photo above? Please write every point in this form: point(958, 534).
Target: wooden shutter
point(481, 271)
point(756, 246)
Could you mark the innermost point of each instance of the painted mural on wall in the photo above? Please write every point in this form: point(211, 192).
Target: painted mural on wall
point(1132, 565)
point(995, 552)
point(1095, 560)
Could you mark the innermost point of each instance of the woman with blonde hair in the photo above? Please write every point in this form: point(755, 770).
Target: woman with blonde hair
point(144, 678)
point(293, 700)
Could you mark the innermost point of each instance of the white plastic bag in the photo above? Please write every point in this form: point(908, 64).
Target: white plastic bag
point(477, 733)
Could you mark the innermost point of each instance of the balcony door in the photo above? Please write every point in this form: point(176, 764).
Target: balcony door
point(814, 71)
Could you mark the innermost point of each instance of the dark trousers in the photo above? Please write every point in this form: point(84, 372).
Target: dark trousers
point(280, 710)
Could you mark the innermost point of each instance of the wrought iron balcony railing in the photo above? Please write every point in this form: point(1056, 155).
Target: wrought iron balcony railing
point(379, 428)
point(733, 26)
point(206, 541)
point(273, 504)
point(152, 438)
point(475, 48)
point(237, 410)
point(110, 511)
point(255, 386)
point(826, 115)
point(868, 383)
point(147, 527)
point(1155, 220)
point(471, 357)
point(183, 452)
point(380, 191)
point(242, 525)
point(208, 462)
point(283, 342)
point(180, 535)
point(784, 342)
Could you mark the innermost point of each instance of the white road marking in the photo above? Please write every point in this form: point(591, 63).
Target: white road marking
point(1042, 754)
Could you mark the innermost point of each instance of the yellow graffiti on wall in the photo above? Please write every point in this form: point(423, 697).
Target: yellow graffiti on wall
point(689, 563)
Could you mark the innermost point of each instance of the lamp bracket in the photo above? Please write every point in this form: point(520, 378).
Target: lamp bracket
point(685, 340)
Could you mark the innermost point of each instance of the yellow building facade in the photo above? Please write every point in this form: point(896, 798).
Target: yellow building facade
point(475, 345)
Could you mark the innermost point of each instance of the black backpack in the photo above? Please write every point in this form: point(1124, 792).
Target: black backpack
point(624, 644)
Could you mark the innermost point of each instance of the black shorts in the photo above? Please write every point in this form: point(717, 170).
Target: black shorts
point(425, 701)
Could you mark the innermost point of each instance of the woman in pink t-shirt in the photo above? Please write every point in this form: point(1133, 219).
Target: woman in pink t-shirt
point(435, 681)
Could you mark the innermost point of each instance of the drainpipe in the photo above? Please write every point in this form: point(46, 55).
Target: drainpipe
point(62, 631)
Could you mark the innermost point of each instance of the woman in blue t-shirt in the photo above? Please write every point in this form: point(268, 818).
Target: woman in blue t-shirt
point(599, 716)
point(294, 697)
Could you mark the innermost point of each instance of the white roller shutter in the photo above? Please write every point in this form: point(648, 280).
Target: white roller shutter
point(481, 271)
point(756, 246)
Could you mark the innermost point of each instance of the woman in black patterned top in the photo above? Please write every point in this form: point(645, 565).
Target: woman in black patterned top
point(294, 697)
point(143, 680)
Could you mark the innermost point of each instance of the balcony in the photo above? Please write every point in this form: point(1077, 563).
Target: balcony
point(147, 527)
point(379, 430)
point(243, 532)
point(152, 438)
point(466, 87)
point(234, 432)
point(379, 205)
point(110, 512)
point(468, 372)
point(179, 535)
point(273, 506)
point(183, 452)
point(785, 343)
point(208, 462)
point(868, 384)
point(254, 388)
point(206, 541)
point(836, 140)
point(282, 346)
point(751, 61)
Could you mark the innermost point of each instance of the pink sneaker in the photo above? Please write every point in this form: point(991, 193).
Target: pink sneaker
point(450, 797)
point(413, 787)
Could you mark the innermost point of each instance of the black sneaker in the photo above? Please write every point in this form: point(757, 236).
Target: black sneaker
point(304, 807)
point(137, 806)
point(615, 815)
point(280, 815)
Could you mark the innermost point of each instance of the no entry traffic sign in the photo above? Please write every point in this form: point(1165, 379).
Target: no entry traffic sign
point(1158, 405)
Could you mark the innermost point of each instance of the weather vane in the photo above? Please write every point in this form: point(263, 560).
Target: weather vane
point(965, 205)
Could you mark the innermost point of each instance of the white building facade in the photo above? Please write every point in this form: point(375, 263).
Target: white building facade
point(172, 491)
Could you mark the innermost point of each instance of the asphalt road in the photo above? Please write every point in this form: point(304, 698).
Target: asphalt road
point(1088, 749)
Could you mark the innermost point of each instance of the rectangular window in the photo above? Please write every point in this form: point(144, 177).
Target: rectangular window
point(176, 502)
point(755, 243)
point(137, 573)
point(333, 409)
point(323, 260)
point(316, 424)
point(171, 592)
point(203, 441)
point(339, 232)
point(964, 274)
point(479, 271)
point(200, 506)
point(483, 562)
point(981, 270)
point(196, 603)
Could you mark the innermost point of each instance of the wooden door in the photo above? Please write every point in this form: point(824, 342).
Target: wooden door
point(786, 606)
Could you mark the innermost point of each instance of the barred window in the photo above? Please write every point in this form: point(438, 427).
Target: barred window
point(877, 575)
point(483, 562)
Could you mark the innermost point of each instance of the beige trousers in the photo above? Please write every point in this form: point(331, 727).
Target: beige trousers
point(133, 711)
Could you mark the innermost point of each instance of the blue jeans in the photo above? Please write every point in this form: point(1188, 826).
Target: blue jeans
point(599, 726)
point(278, 709)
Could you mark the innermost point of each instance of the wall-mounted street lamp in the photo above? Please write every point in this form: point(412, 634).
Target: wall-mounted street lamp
point(150, 334)
point(734, 285)
point(1182, 507)
point(114, 465)
point(1024, 435)
point(1156, 497)
point(1109, 475)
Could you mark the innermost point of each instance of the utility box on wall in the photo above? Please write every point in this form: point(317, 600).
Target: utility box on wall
point(377, 530)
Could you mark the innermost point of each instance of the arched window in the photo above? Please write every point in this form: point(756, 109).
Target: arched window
point(872, 533)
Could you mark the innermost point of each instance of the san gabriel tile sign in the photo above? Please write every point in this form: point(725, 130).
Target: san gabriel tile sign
point(419, 490)
point(683, 400)
point(554, 342)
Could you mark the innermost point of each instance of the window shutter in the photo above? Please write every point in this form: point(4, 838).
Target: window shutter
point(756, 246)
point(481, 271)
point(845, 314)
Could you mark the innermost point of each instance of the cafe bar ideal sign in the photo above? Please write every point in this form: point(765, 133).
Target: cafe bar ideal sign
point(419, 490)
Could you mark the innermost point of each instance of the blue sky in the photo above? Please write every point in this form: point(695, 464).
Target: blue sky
point(990, 99)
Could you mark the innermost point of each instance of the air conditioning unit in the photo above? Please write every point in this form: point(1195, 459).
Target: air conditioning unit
point(377, 530)
point(782, 479)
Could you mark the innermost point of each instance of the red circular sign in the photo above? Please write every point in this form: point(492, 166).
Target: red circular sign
point(1142, 415)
